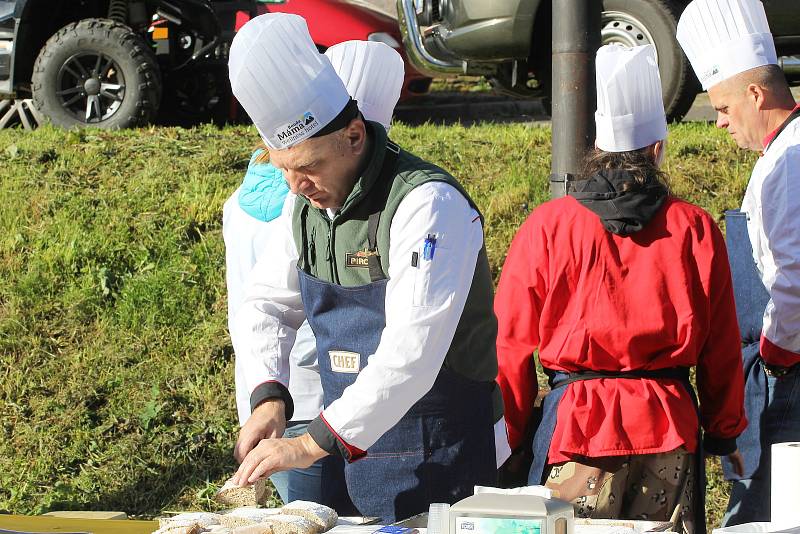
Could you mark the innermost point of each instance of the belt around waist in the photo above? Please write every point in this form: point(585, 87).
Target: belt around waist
point(560, 378)
point(777, 371)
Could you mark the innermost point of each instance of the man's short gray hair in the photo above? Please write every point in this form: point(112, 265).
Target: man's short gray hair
point(769, 77)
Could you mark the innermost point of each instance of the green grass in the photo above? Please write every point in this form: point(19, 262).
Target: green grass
point(117, 369)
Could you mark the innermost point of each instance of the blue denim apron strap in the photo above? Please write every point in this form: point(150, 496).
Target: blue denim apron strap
point(374, 260)
point(306, 248)
point(751, 300)
point(544, 432)
point(748, 290)
point(559, 380)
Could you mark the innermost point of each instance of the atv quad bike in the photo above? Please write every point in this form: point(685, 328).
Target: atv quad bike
point(116, 63)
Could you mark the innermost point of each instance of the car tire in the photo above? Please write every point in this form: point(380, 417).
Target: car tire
point(638, 22)
point(196, 95)
point(96, 72)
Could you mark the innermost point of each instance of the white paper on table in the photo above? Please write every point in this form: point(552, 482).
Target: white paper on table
point(757, 527)
point(604, 529)
point(785, 492)
point(540, 491)
point(353, 529)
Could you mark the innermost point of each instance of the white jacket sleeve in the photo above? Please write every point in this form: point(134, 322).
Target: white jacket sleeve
point(264, 328)
point(423, 308)
point(780, 204)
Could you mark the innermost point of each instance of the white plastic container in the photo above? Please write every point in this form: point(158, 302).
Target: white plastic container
point(490, 513)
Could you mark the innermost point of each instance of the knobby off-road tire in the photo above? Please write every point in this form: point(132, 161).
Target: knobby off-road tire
point(639, 22)
point(97, 72)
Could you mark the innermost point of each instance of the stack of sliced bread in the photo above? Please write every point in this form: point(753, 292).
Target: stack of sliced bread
point(325, 518)
point(247, 515)
point(298, 517)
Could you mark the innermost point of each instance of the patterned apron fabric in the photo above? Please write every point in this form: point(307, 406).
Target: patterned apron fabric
point(650, 487)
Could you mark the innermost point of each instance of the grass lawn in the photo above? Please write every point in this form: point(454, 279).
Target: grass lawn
point(116, 367)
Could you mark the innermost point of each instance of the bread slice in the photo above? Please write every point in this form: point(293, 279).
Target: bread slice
point(180, 527)
point(218, 529)
point(292, 524)
point(204, 519)
point(322, 516)
point(241, 517)
point(256, 528)
point(232, 495)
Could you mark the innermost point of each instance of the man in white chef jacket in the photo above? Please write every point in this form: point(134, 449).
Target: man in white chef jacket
point(732, 52)
point(383, 254)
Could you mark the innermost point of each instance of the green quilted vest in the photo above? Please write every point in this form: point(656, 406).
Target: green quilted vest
point(336, 250)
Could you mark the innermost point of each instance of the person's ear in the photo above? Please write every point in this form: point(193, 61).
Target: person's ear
point(659, 151)
point(355, 134)
point(756, 95)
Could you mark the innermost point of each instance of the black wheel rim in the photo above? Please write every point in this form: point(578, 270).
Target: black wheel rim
point(90, 87)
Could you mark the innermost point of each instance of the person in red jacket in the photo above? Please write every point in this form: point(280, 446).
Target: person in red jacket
point(622, 288)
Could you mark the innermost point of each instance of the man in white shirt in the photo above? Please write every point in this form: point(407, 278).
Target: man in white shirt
point(373, 74)
point(730, 47)
point(383, 254)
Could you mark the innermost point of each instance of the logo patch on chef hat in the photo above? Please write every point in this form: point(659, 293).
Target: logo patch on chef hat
point(343, 361)
point(296, 130)
point(709, 73)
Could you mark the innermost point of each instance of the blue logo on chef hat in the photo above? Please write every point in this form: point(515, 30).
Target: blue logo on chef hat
point(308, 118)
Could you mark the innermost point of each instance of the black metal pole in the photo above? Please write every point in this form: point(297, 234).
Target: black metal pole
point(576, 38)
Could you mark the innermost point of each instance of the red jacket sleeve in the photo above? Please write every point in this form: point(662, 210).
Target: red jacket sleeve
point(720, 379)
point(518, 305)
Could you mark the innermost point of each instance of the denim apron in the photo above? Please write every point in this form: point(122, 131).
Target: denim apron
point(558, 381)
point(751, 300)
point(441, 448)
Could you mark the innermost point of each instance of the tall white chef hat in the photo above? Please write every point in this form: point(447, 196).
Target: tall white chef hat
point(288, 88)
point(373, 73)
point(630, 111)
point(722, 38)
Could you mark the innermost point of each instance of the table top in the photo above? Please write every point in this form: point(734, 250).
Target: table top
point(55, 525)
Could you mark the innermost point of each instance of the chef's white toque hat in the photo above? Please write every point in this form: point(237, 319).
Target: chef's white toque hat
point(289, 90)
point(630, 111)
point(722, 38)
point(373, 73)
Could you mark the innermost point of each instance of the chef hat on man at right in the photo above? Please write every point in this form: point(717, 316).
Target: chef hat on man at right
point(630, 109)
point(722, 38)
point(373, 73)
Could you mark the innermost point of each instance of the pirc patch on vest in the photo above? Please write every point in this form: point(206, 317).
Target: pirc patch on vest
point(343, 361)
point(359, 259)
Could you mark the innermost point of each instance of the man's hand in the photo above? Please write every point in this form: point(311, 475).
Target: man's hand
point(272, 455)
point(737, 461)
point(268, 420)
